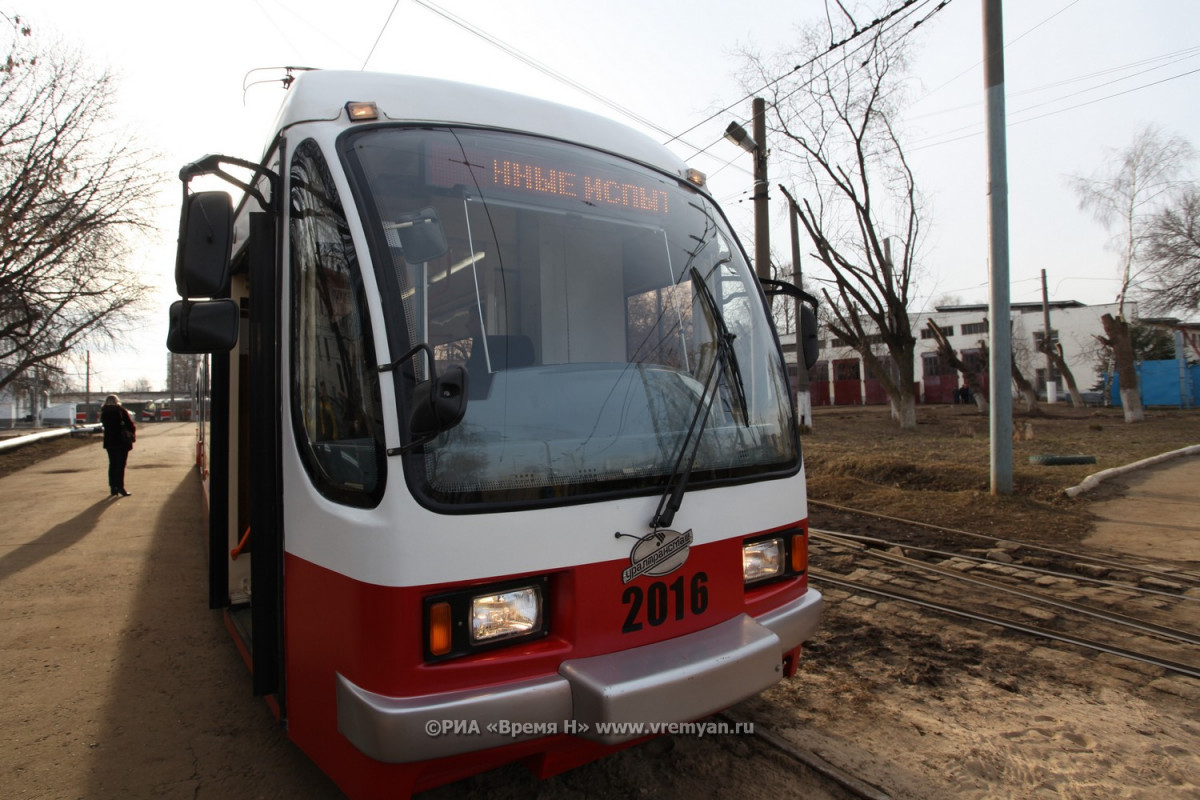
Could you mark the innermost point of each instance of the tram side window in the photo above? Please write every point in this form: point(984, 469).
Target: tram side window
point(336, 406)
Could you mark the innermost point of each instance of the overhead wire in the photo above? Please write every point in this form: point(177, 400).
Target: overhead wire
point(384, 27)
point(1013, 123)
point(905, 4)
point(529, 60)
point(898, 15)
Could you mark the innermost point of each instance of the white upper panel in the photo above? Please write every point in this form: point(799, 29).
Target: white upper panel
point(322, 95)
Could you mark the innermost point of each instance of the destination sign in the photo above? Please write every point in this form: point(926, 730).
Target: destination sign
point(593, 189)
point(551, 179)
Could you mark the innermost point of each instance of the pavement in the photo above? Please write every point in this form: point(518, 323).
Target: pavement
point(1157, 516)
point(119, 682)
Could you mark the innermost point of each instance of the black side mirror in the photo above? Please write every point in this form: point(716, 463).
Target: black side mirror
point(438, 404)
point(421, 236)
point(205, 241)
point(808, 342)
point(205, 326)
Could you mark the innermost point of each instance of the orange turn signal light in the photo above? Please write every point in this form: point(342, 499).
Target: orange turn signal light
point(439, 629)
point(800, 553)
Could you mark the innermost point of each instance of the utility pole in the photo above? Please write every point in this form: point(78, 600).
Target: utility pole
point(87, 388)
point(762, 222)
point(803, 398)
point(1000, 333)
point(1050, 394)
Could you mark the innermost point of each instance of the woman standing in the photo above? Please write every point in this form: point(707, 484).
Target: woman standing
point(119, 435)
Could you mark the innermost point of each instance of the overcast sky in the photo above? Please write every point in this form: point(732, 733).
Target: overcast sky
point(1083, 76)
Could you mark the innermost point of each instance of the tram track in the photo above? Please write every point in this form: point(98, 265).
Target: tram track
point(1157, 624)
point(1123, 562)
point(1036, 595)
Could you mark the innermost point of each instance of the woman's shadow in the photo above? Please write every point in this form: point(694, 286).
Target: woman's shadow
point(53, 541)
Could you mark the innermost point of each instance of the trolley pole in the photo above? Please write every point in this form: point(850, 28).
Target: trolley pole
point(999, 331)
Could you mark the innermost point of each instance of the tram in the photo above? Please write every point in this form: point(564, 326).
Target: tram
point(501, 459)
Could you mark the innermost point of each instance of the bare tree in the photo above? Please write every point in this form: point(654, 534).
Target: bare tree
point(1172, 254)
point(1054, 350)
point(1028, 393)
point(832, 120)
point(969, 376)
point(1121, 196)
point(71, 192)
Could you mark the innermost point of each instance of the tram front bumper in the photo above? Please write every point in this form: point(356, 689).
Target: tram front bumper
point(610, 699)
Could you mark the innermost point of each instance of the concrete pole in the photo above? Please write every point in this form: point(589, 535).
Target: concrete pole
point(1185, 394)
point(803, 398)
point(999, 329)
point(762, 222)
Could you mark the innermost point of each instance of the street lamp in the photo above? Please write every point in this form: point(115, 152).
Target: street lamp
point(737, 134)
point(756, 145)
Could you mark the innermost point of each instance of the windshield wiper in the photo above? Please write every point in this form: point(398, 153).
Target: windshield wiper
point(724, 364)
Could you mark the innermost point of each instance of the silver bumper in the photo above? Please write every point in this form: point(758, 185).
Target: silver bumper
point(594, 698)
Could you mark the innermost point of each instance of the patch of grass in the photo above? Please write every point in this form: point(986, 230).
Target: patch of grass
point(940, 472)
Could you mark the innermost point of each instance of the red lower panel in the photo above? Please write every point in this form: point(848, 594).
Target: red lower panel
point(373, 636)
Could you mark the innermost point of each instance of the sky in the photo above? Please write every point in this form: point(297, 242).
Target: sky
point(1082, 78)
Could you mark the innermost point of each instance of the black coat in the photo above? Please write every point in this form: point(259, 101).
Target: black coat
point(116, 422)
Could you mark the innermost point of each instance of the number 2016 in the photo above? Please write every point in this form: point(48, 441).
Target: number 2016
point(662, 600)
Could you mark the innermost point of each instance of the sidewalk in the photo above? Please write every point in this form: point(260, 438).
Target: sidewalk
point(1158, 516)
point(119, 681)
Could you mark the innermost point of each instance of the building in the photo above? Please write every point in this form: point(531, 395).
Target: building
point(840, 377)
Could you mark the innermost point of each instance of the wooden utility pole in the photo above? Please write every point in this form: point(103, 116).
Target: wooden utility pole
point(1000, 335)
point(762, 222)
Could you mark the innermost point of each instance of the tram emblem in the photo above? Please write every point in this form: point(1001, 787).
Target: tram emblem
point(658, 553)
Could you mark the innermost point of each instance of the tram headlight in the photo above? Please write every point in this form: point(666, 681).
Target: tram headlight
point(763, 559)
point(503, 615)
point(479, 618)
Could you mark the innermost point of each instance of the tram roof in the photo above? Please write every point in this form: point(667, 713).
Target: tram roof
point(323, 95)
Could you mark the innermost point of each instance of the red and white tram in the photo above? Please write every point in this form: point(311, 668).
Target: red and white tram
point(499, 429)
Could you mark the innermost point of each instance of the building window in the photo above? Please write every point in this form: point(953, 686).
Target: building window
point(927, 333)
point(932, 364)
point(975, 328)
point(1039, 335)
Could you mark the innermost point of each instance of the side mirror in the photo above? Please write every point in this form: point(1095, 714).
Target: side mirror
point(205, 326)
point(205, 242)
point(421, 236)
point(438, 404)
point(809, 340)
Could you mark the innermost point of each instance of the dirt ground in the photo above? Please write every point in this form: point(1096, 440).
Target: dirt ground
point(119, 683)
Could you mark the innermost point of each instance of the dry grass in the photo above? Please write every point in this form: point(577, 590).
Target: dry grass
point(30, 454)
point(940, 473)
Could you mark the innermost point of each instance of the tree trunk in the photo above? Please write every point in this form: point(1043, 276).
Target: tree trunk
point(1055, 352)
point(905, 412)
point(1026, 388)
point(804, 408)
point(1117, 332)
point(970, 379)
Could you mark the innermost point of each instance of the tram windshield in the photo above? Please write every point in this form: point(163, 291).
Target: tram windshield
point(561, 279)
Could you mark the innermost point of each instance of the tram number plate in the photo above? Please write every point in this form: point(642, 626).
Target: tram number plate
point(660, 601)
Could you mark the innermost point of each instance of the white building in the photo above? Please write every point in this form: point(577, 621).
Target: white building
point(840, 378)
